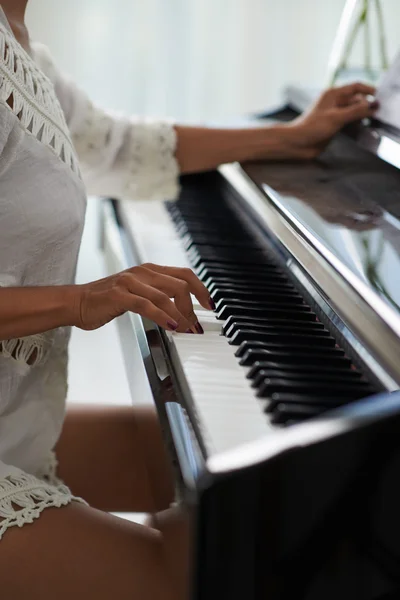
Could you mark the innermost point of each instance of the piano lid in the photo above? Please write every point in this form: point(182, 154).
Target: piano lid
point(350, 200)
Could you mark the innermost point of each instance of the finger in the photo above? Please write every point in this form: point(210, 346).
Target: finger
point(355, 112)
point(145, 308)
point(347, 91)
point(158, 299)
point(196, 287)
point(174, 288)
point(177, 289)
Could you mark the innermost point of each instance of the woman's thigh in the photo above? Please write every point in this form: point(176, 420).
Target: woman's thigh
point(114, 458)
point(80, 552)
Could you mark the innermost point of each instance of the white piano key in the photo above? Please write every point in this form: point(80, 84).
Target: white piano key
point(228, 412)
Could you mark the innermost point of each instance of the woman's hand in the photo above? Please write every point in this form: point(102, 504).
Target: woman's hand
point(334, 109)
point(146, 290)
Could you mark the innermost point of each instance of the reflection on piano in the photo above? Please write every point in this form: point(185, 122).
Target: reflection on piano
point(283, 418)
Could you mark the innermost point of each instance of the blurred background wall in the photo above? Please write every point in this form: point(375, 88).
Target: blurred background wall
point(191, 59)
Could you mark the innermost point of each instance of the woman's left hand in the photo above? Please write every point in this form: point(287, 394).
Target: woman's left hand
point(334, 109)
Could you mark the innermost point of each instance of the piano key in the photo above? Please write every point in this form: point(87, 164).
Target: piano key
point(288, 338)
point(234, 295)
point(297, 327)
point(229, 310)
point(254, 322)
point(256, 272)
point(284, 357)
point(265, 303)
point(306, 369)
point(323, 400)
point(255, 286)
point(191, 240)
point(264, 283)
point(295, 348)
point(236, 258)
point(319, 375)
point(294, 412)
point(229, 415)
point(343, 389)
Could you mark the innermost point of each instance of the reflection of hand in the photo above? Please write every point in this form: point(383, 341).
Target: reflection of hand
point(334, 109)
point(363, 220)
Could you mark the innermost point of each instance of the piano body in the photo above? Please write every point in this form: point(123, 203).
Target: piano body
point(283, 419)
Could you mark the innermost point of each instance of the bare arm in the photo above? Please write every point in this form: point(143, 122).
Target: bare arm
point(146, 290)
point(26, 311)
point(201, 148)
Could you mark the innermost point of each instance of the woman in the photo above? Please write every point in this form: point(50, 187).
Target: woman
point(114, 459)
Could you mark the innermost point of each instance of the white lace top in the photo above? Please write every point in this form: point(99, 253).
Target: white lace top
point(52, 136)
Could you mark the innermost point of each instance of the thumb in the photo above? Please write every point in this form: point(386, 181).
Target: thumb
point(355, 112)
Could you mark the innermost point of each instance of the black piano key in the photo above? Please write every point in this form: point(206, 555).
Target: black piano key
point(271, 327)
point(237, 322)
point(288, 357)
point(294, 348)
point(347, 389)
point(284, 413)
point(235, 258)
point(289, 338)
point(323, 401)
point(239, 310)
point(267, 285)
point(260, 287)
point(311, 370)
point(197, 240)
point(252, 270)
point(264, 303)
point(242, 280)
point(234, 294)
point(240, 274)
point(317, 375)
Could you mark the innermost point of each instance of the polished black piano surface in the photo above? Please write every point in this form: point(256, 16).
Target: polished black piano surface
point(303, 262)
point(322, 521)
point(350, 200)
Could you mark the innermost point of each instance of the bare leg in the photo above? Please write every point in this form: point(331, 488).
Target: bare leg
point(80, 552)
point(114, 458)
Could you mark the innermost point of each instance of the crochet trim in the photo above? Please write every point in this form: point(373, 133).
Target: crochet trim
point(24, 497)
point(29, 351)
point(30, 95)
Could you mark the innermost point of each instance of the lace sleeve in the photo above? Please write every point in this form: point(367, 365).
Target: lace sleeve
point(120, 156)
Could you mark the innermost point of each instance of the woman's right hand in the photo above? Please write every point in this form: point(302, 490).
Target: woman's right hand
point(146, 290)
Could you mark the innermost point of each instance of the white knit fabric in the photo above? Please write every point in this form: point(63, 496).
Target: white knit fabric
point(120, 156)
point(45, 124)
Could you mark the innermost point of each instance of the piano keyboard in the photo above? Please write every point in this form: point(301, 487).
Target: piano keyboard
point(265, 360)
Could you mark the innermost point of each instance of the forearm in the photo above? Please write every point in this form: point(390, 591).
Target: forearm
point(30, 310)
point(203, 148)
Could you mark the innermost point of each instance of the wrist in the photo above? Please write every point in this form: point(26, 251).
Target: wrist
point(71, 305)
point(286, 141)
point(295, 141)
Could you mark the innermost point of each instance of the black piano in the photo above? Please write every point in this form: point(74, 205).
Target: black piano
point(283, 419)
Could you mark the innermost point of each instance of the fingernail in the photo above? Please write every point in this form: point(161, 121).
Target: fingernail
point(211, 303)
point(188, 331)
point(172, 325)
point(199, 328)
